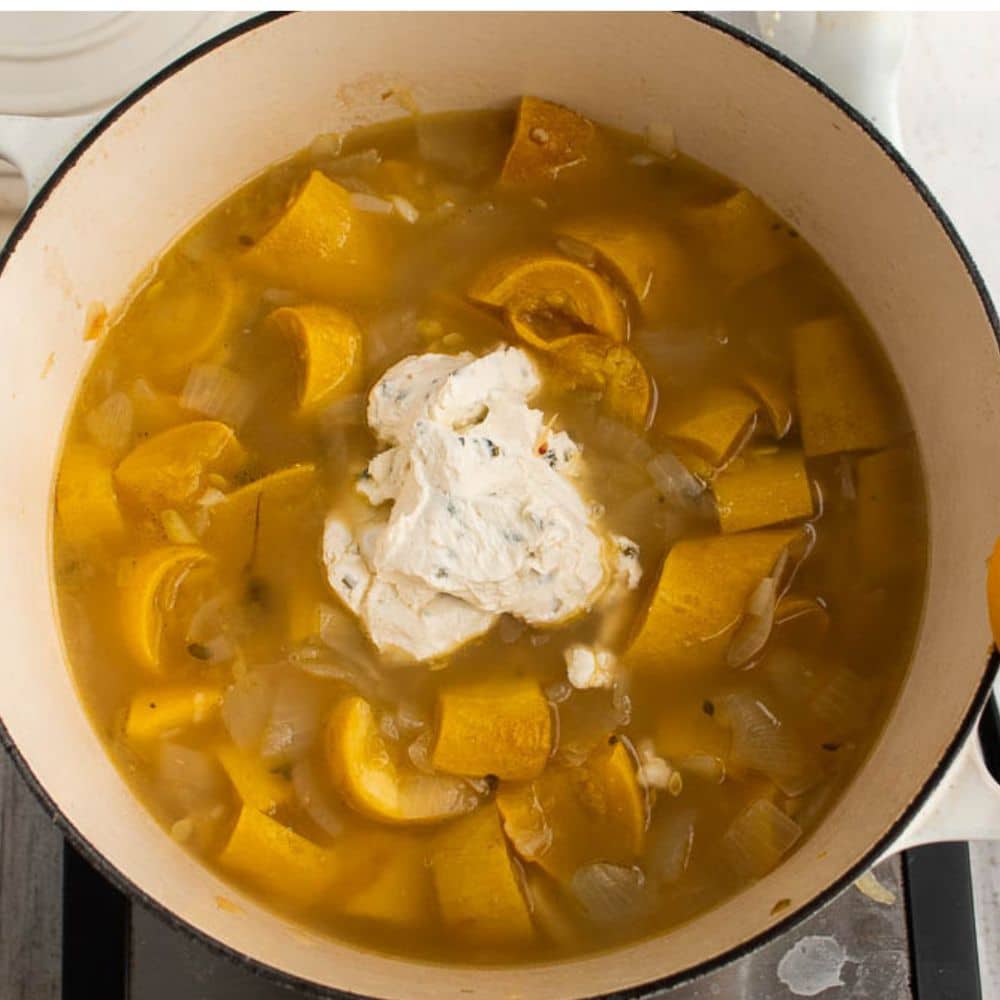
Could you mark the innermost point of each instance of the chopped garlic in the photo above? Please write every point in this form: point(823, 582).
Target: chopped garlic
point(590, 667)
point(654, 772)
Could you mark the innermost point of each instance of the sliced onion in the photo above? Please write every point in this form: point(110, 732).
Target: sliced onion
point(391, 336)
point(761, 743)
point(354, 163)
point(419, 752)
point(661, 139)
point(313, 798)
point(679, 486)
point(191, 778)
point(531, 837)
point(755, 627)
point(294, 723)
point(110, 423)
point(219, 393)
point(246, 707)
point(706, 766)
point(510, 629)
point(619, 442)
point(671, 840)
point(326, 146)
point(364, 202)
point(585, 720)
point(578, 250)
point(405, 208)
point(611, 895)
point(410, 719)
point(759, 838)
point(844, 703)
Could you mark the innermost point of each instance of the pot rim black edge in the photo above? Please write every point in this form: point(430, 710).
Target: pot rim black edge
point(965, 731)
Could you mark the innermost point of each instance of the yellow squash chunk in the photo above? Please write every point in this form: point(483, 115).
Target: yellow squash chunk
point(148, 591)
point(328, 344)
point(479, 892)
point(588, 362)
point(367, 777)
point(182, 314)
point(548, 138)
point(888, 488)
point(169, 469)
point(321, 244)
point(86, 504)
point(762, 487)
point(775, 398)
point(256, 786)
point(400, 894)
point(712, 423)
point(307, 606)
point(545, 296)
point(278, 860)
point(740, 237)
point(248, 525)
point(499, 727)
point(572, 816)
point(701, 596)
point(159, 710)
point(646, 260)
point(841, 406)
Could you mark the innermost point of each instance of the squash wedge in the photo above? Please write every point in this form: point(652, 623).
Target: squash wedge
point(740, 238)
point(321, 245)
point(169, 469)
point(762, 487)
point(159, 710)
point(711, 424)
point(588, 362)
point(328, 345)
point(545, 297)
point(369, 780)
point(498, 727)
point(700, 598)
point(572, 816)
point(148, 590)
point(548, 139)
point(479, 893)
point(278, 860)
point(86, 504)
point(840, 404)
point(256, 786)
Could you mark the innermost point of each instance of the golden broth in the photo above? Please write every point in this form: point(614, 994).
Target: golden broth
point(212, 654)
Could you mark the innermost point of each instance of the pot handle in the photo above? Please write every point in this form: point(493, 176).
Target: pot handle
point(36, 145)
point(965, 805)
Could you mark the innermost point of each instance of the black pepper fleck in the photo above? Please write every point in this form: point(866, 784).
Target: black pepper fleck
point(707, 707)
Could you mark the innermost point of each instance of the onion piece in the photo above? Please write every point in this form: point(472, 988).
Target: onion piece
point(110, 423)
point(190, 778)
point(419, 752)
point(405, 208)
point(314, 800)
point(294, 722)
point(705, 766)
point(761, 743)
point(246, 707)
point(354, 163)
point(670, 843)
point(661, 139)
point(844, 703)
point(326, 146)
point(365, 202)
point(759, 838)
point(673, 479)
point(217, 392)
point(531, 837)
point(578, 250)
point(611, 895)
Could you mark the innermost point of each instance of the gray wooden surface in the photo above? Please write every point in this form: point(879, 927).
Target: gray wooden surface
point(30, 893)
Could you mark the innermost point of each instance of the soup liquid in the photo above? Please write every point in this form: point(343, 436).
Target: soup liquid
point(830, 669)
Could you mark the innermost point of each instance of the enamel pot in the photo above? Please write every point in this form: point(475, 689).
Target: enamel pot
point(192, 134)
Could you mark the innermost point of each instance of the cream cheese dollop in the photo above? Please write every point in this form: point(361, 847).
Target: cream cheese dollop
point(486, 518)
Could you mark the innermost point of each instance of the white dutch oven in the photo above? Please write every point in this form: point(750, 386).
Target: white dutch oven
point(197, 131)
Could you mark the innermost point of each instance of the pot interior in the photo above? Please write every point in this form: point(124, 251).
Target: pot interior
point(156, 168)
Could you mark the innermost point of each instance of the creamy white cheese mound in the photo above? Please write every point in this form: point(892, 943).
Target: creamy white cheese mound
point(485, 516)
